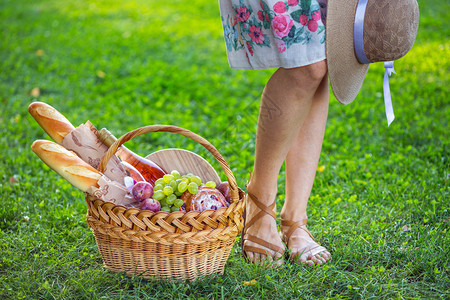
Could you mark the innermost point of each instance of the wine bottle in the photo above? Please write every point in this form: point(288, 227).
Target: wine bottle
point(132, 171)
point(150, 170)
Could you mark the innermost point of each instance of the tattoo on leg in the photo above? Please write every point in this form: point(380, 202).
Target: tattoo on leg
point(269, 111)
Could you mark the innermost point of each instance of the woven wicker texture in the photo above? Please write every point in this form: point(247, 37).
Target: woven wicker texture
point(166, 245)
point(390, 28)
point(396, 24)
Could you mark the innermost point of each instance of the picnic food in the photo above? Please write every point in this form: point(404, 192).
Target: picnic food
point(144, 182)
point(146, 167)
point(52, 121)
point(67, 164)
point(142, 190)
point(211, 184)
point(206, 198)
point(224, 188)
point(150, 204)
point(175, 192)
point(168, 192)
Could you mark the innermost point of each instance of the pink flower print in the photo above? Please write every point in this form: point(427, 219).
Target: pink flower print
point(279, 7)
point(303, 19)
point(292, 2)
point(261, 4)
point(312, 25)
point(250, 49)
point(281, 45)
point(261, 15)
point(256, 34)
point(242, 14)
point(315, 15)
point(233, 20)
point(281, 25)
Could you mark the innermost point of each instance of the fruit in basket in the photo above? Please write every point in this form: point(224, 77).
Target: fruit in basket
point(176, 192)
point(150, 204)
point(158, 195)
point(175, 174)
point(182, 186)
point(142, 190)
point(211, 184)
point(178, 203)
point(192, 188)
point(171, 199)
point(206, 198)
point(168, 178)
point(158, 187)
point(167, 190)
point(160, 181)
point(224, 188)
point(196, 180)
point(165, 208)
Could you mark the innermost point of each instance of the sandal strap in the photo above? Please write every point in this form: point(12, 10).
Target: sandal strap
point(293, 226)
point(265, 209)
point(263, 243)
point(317, 249)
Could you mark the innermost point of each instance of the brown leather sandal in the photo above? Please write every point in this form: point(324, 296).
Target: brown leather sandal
point(264, 210)
point(302, 225)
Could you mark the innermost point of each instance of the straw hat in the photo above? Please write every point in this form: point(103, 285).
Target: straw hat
point(360, 32)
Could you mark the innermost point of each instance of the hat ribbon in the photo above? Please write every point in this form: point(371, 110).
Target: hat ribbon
point(389, 69)
point(358, 38)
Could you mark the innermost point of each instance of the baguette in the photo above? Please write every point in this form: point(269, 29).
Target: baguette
point(67, 164)
point(52, 121)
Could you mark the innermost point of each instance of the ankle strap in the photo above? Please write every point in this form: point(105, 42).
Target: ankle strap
point(265, 209)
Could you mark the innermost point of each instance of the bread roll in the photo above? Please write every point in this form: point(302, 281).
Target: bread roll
point(206, 198)
point(67, 164)
point(52, 121)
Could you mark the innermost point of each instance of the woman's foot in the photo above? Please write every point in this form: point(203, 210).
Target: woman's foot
point(261, 242)
point(303, 246)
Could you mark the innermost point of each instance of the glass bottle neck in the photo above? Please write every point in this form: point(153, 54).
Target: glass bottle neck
point(106, 137)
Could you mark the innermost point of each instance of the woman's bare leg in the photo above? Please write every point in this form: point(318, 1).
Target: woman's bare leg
point(301, 165)
point(285, 105)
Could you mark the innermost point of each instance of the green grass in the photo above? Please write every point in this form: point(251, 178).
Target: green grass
point(381, 204)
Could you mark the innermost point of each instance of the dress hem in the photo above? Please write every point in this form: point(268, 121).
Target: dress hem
point(275, 65)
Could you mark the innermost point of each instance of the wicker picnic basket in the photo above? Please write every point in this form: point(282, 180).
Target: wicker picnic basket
point(166, 245)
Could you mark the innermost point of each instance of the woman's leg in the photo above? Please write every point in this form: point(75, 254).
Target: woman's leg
point(301, 165)
point(285, 104)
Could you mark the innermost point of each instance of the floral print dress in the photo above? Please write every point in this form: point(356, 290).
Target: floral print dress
point(261, 34)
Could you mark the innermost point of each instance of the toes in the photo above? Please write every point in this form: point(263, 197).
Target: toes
point(309, 263)
point(258, 258)
point(325, 255)
point(278, 262)
point(319, 259)
point(250, 256)
point(305, 257)
point(311, 260)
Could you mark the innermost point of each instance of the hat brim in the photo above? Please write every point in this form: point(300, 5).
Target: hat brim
point(346, 73)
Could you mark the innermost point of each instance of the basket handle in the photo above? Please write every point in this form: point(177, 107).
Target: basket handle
point(181, 131)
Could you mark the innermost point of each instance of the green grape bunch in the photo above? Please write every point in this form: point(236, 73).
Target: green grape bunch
point(169, 188)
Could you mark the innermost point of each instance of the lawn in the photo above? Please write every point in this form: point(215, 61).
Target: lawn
point(380, 202)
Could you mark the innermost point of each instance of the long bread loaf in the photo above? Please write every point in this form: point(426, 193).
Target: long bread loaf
point(67, 164)
point(52, 121)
